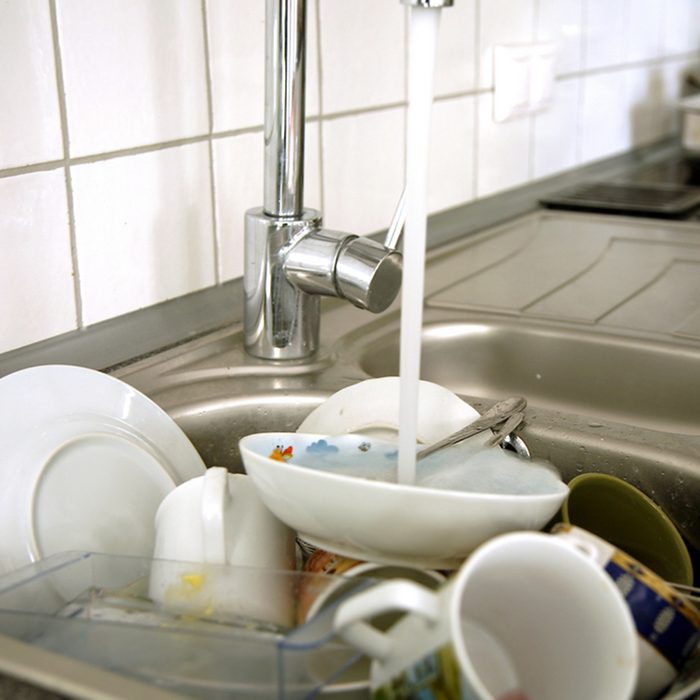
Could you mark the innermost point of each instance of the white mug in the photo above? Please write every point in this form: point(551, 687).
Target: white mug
point(343, 574)
point(216, 528)
point(668, 625)
point(527, 615)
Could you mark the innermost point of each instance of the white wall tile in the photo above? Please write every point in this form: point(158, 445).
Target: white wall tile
point(605, 33)
point(644, 29)
point(362, 54)
point(452, 157)
point(134, 72)
point(238, 174)
point(605, 118)
point(237, 61)
point(503, 150)
point(455, 69)
point(561, 21)
point(556, 131)
point(502, 22)
point(37, 299)
point(363, 170)
point(681, 27)
point(30, 129)
point(143, 229)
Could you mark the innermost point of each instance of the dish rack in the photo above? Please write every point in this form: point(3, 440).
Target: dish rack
point(95, 608)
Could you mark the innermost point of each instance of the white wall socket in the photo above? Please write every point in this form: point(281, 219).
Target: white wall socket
point(523, 79)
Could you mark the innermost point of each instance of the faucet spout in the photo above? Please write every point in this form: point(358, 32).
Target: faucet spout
point(290, 260)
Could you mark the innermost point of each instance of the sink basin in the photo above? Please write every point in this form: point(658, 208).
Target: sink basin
point(646, 384)
point(540, 307)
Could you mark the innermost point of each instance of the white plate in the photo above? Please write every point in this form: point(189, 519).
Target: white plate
point(384, 522)
point(371, 407)
point(85, 461)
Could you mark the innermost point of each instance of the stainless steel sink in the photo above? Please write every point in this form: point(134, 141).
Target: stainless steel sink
point(601, 396)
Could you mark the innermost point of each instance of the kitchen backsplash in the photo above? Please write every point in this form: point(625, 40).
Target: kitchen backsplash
point(131, 138)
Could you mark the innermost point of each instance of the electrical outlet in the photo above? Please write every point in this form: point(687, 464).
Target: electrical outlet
point(523, 79)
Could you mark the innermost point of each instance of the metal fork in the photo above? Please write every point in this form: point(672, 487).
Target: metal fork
point(504, 416)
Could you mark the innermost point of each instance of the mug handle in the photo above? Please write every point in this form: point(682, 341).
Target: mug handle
point(214, 497)
point(390, 596)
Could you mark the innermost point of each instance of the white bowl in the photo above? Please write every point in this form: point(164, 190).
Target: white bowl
point(385, 522)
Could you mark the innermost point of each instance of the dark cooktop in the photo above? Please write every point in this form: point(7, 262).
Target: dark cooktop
point(667, 189)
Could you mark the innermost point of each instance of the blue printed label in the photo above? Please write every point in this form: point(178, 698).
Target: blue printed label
point(661, 616)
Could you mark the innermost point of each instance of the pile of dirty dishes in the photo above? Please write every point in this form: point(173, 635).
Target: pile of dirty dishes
point(528, 615)
point(340, 493)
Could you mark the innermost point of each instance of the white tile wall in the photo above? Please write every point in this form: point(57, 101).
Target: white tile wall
point(363, 166)
point(161, 105)
point(555, 142)
point(363, 48)
point(643, 29)
point(143, 228)
point(560, 21)
point(604, 33)
point(503, 150)
point(36, 286)
point(605, 129)
point(134, 72)
point(29, 125)
point(502, 22)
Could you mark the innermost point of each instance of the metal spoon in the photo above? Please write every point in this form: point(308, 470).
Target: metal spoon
point(507, 413)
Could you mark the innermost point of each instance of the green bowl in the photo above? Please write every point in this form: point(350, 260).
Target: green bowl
point(627, 518)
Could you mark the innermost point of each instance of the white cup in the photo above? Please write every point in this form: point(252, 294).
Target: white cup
point(528, 614)
point(343, 574)
point(668, 626)
point(210, 531)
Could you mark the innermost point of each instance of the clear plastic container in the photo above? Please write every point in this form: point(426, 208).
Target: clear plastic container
point(96, 608)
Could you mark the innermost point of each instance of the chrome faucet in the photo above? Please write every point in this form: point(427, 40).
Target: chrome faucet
point(290, 259)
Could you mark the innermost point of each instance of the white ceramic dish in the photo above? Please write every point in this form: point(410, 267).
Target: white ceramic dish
point(384, 522)
point(85, 462)
point(371, 407)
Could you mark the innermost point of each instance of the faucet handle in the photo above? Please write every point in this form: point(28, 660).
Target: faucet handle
point(368, 274)
point(355, 268)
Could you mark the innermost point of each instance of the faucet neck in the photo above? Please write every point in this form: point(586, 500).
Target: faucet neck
point(285, 65)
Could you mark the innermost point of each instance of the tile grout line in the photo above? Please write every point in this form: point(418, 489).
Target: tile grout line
point(66, 164)
point(213, 136)
point(216, 243)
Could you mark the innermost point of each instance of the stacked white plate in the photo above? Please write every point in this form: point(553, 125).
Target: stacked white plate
point(85, 461)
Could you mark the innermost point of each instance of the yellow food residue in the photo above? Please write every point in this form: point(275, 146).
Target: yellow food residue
point(193, 581)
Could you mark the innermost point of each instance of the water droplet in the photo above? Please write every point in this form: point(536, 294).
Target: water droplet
point(538, 376)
